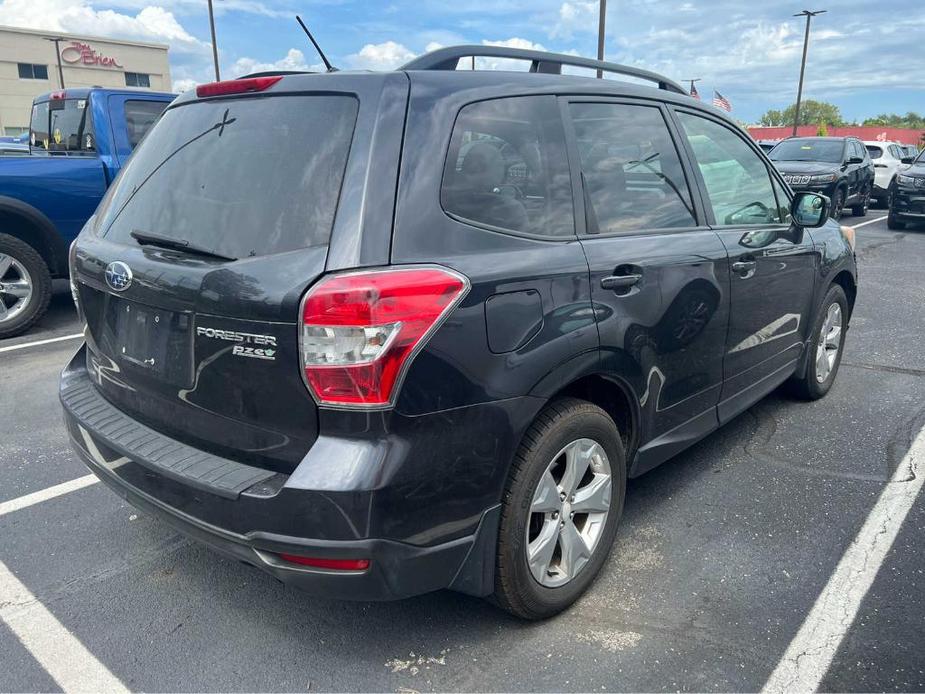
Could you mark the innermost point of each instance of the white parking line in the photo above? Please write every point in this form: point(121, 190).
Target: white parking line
point(869, 221)
point(24, 345)
point(45, 494)
point(55, 648)
point(811, 652)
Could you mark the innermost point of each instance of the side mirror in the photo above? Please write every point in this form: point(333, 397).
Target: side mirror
point(907, 160)
point(810, 210)
point(855, 160)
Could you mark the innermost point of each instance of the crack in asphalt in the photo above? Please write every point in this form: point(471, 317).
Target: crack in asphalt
point(885, 368)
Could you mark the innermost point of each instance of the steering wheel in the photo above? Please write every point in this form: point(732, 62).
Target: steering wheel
point(761, 207)
point(508, 190)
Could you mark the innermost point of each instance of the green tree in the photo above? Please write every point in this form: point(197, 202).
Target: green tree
point(894, 120)
point(811, 113)
point(822, 131)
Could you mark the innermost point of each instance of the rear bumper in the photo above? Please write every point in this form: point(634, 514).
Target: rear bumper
point(123, 454)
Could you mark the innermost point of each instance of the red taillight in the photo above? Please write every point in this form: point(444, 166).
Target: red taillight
point(361, 330)
point(334, 564)
point(251, 84)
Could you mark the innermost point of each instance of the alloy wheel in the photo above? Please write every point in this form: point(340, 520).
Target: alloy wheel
point(568, 513)
point(829, 343)
point(15, 288)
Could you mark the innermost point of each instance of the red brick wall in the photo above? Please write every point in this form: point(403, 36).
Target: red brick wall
point(904, 135)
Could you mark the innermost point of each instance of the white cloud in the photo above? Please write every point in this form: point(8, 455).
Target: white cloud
point(184, 85)
point(380, 56)
point(576, 15)
point(293, 60)
point(152, 23)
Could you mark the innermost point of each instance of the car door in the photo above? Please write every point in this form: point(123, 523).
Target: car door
point(659, 275)
point(772, 263)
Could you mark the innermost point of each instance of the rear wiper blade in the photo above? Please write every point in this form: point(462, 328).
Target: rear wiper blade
point(146, 239)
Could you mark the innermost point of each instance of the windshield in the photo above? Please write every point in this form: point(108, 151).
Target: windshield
point(809, 150)
point(236, 177)
point(62, 125)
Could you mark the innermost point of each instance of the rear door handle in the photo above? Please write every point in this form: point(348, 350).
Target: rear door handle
point(619, 281)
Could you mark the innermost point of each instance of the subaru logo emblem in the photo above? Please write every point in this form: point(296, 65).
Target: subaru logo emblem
point(118, 276)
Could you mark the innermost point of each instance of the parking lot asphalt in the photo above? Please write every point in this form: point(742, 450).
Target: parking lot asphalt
point(721, 555)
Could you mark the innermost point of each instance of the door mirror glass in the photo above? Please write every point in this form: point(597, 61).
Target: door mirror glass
point(810, 210)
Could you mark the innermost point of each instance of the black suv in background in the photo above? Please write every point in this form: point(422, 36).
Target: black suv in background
point(907, 194)
point(383, 334)
point(838, 167)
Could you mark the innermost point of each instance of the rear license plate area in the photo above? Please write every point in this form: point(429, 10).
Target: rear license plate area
point(149, 340)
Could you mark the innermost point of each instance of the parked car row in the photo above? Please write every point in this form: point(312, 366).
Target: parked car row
point(852, 173)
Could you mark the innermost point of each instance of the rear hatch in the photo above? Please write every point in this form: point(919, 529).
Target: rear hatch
point(190, 275)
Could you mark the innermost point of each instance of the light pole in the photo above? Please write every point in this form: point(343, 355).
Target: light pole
point(600, 34)
point(809, 14)
point(57, 41)
point(218, 76)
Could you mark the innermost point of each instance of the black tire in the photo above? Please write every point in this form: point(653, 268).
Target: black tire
point(838, 203)
point(861, 210)
point(561, 422)
point(893, 223)
point(809, 387)
point(37, 303)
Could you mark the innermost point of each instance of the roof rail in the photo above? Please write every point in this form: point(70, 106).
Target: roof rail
point(540, 61)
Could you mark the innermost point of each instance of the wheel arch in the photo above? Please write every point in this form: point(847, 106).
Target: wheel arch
point(582, 378)
point(846, 281)
point(31, 226)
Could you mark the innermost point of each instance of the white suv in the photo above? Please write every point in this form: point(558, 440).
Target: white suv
point(887, 158)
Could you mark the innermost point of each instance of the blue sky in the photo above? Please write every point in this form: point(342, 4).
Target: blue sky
point(862, 58)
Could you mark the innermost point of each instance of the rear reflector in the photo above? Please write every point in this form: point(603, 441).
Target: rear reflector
point(334, 564)
point(251, 84)
point(360, 331)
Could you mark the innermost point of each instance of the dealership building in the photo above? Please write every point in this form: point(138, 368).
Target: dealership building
point(33, 62)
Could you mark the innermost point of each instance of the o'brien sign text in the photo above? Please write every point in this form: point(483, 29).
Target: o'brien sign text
point(82, 53)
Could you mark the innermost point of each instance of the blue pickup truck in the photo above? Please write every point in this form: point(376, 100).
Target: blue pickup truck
point(79, 141)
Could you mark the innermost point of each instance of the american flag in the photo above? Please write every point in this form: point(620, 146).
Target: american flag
point(721, 101)
point(694, 92)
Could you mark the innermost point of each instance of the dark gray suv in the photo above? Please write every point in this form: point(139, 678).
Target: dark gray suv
point(384, 334)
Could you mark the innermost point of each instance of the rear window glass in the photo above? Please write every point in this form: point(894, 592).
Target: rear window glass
point(63, 125)
point(237, 177)
point(507, 169)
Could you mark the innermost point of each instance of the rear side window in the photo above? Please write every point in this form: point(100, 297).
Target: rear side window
point(237, 177)
point(140, 116)
point(507, 169)
point(874, 152)
point(631, 171)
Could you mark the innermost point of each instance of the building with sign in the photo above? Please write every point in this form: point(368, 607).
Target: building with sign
point(34, 62)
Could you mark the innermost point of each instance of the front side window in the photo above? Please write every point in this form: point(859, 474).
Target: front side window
point(631, 171)
point(140, 116)
point(63, 125)
point(507, 169)
point(737, 182)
